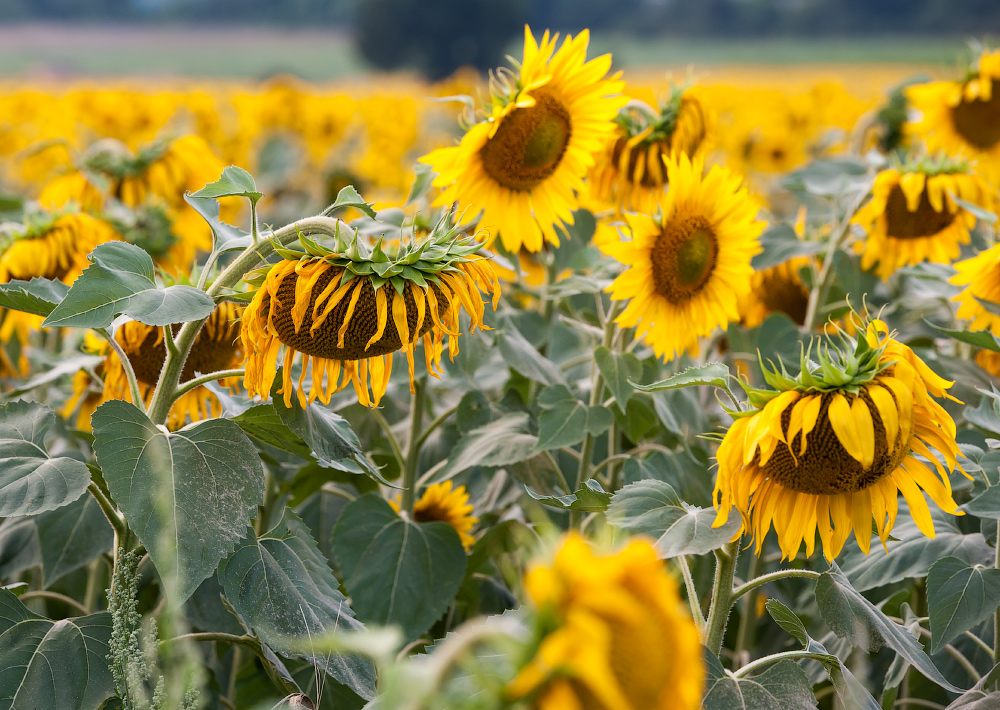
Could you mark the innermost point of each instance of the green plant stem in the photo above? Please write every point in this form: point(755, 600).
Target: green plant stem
point(722, 596)
point(205, 379)
point(163, 397)
point(746, 617)
point(133, 383)
point(413, 447)
point(821, 287)
point(55, 596)
point(774, 658)
point(772, 577)
point(111, 512)
point(437, 422)
point(692, 595)
point(397, 450)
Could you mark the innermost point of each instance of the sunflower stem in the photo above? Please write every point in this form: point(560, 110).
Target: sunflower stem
point(692, 595)
point(996, 614)
point(413, 447)
point(775, 657)
point(133, 384)
point(772, 577)
point(438, 421)
point(397, 450)
point(722, 596)
point(205, 379)
point(111, 512)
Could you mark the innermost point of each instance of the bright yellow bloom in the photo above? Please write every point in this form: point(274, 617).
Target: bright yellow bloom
point(824, 457)
point(525, 163)
point(981, 277)
point(623, 639)
point(690, 266)
point(440, 503)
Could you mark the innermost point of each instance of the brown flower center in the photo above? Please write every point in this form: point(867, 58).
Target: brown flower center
point(529, 144)
point(780, 292)
point(826, 468)
point(647, 153)
point(926, 221)
point(217, 347)
point(683, 258)
point(978, 121)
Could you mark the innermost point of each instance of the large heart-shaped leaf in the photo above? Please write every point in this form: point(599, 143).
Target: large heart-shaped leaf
point(234, 182)
point(189, 495)
point(783, 686)
point(526, 360)
point(618, 370)
point(71, 537)
point(397, 571)
point(281, 585)
point(120, 280)
point(225, 237)
point(959, 596)
point(565, 420)
point(500, 443)
point(31, 481)
point(52, 664)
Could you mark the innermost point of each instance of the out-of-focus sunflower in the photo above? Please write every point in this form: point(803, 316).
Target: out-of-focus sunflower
point(832, 449)
point(630, 173)
point(913, 216)
point(962, 118)
point(443, 504)
point(87, 391)
point(989, 361)
point(689, 266)
point(778, 289)
point(618, 635)
point(981, 277)
point(346, 310)
point(524, 164)
point(217, 347)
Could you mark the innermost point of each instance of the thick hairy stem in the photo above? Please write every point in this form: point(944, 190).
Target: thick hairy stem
point(111, 512)
point(771, 577)
point(692, 595)
point(413, 447)
point(774, 658)
point(722, 596)
point(205, 379)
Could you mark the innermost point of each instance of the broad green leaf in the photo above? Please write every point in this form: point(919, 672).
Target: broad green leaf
point(780, 244)
point(397, 571)
point(234, 182)
point(62, 367)
point(592, 498)
point(69, 538)
point(31, 481)
point(19, 548)
point(830, 177)
point(985, 505)
point(500, 443)
point(652, 508)
point(959, 596)
point(349, 197)
point(974, 209)
point(565, 420)
point(38, 296)
point(189, 495)
point(618, 370)
point(421, 182)
point(851, 616)
point(225, 237)
point(120, 280)
point(541, 474)
point(524, 359)
point(981, 338)
point(715, 374)
point(263, 423)
point(281, 585)
point(782, 686)
point(788, 620)
point(688, 473)
point(52, 664)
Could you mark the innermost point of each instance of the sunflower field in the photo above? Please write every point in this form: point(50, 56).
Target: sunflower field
point(565, 390)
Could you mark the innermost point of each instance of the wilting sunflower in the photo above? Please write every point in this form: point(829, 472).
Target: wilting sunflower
point(443, 504)
point(618, 635)
point(524, 163)
point(346, 310)
point(630, 172)
point(689, 266)
point(913, 217)
point(962, 118)
point(981, 277)
point(88, 390)
point(832, 449)
point(778, 289)
point(217, 347)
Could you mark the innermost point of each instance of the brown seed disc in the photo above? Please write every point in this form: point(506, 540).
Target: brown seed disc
point(826, 468)
point(529, 144)
point(647, 180)
point(978, 121)
point(363, 324)
point(683, 258)
point(903, 224)
point(781, 294)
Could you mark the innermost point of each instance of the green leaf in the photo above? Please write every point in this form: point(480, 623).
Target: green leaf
point(959, 596)
point(565, 420)
point(282, 587)
point(63, 366)
point(500, 443)
point(120, 280)
point(974, 209)
point(592, 498)
point(782, 686)
point(618, 370)
point(189, 495)
point(652, 508)
point(397, 571)
point(780, 244)
point(981, 338)
point(234, 182)
point(69, 538)
point(225, 237)
point(524, 359)
point(852, 617)
point(715, 374)
point(52, 664)
point(31, 481)
point(349, 197)
point(263, 423)
point(424, 176)
point(788, 620)
point(38, 296)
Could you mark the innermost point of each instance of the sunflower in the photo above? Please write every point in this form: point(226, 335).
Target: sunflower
point(778, 289)
point(216, 348)
point(913, 216)
point(962, 118)
point(981, 277)
point(689, 266)
point(443, 504)
point(523, 165)
point(346, 310)
point(619, 637)
point(832, 449)
point(630, 172)
point(88, 390)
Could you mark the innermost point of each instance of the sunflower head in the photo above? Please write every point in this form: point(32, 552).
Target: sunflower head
point(777, 289)
point(348, 306)
point(443, 503)
point(830, 449)
point(617, 635)
point(980, 277)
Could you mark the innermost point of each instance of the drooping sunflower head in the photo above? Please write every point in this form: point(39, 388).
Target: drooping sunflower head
point(913, 215)
point(617, 636)
point(217, 347)
point(830, 450)
point(630, 172)
point(689, 264)
point(980, 275)
point(443, 503)
point(87, 392)
point(348, 307)
point(525, 161)
point(778, 289)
